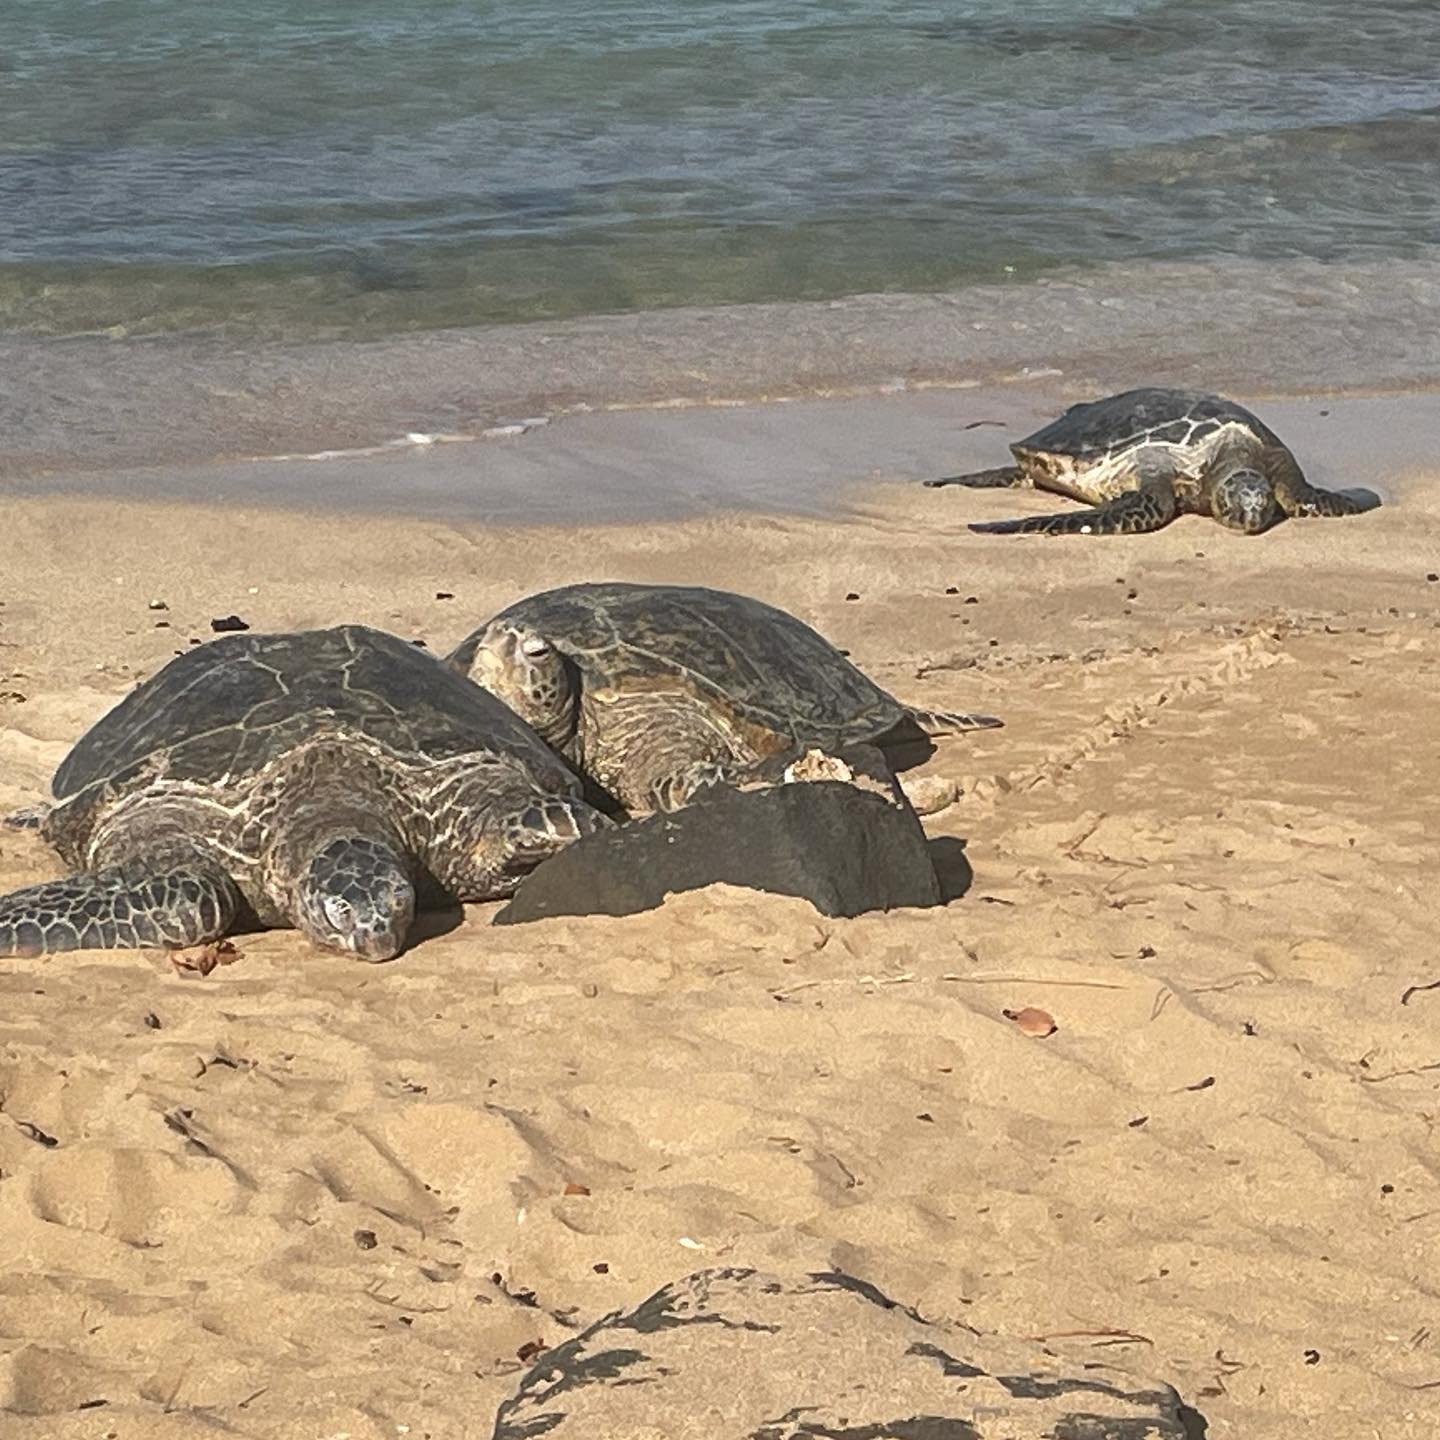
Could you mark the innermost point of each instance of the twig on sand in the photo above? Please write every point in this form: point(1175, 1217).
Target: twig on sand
point(906, 979)
point(1104, 1337)
point(1416, 989)
point(1034, 980)
point(1395, 1074)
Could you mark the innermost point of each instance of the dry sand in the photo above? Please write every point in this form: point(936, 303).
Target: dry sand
point(302, 1197)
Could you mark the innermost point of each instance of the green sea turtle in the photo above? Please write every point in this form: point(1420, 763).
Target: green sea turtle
point(1146, 456)
point(652, 691)
point(325, 780)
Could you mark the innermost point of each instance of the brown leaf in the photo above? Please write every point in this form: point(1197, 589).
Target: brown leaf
point(571, 1188)
point(1030, 1021)
point(530, 1349)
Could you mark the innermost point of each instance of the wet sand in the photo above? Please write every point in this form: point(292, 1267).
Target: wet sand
point(104, 402)
point(818, 457)
point(301, 1196)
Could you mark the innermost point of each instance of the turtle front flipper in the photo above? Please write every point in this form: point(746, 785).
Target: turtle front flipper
point(545, 826)
point(124, 908)
point(1301, 500)
point(1003, 477)
point(1133, 513)
point(673, 791)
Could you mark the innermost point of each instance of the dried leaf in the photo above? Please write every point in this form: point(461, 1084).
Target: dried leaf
point(571, 1188)
point(1030, 1021)
point(35, 1133)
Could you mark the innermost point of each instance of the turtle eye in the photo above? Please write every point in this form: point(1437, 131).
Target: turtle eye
point(339, 914)
point(533, 647)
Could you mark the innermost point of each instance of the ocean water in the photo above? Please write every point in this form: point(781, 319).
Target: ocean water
point(366, 167)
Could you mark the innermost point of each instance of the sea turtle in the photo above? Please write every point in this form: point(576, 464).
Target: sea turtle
point(654, 690)
point(1146, 456)
point(323, 780)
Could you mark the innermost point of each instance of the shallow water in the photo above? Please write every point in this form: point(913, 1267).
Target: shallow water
point(362, 167)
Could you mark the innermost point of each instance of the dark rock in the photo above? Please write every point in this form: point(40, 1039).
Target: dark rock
point(227, 624)
point(844, 848)
point(741, 1355)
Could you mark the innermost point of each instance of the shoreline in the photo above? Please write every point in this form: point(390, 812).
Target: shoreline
point(88, 404)
point(808, 457)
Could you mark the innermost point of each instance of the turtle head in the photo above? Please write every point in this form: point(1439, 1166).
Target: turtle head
point(356, 896)
point(535, 679)
point(1244, 500)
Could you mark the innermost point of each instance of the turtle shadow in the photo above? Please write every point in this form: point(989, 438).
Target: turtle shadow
point(433, 922)
point(952, 866)
point(906, 751)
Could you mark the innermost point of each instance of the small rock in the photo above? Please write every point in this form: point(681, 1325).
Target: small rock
point(158, 605)
point(225, 624)
point(845, 849)
point(930, 794)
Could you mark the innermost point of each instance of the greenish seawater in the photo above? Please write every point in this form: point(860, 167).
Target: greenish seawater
point(361, 167)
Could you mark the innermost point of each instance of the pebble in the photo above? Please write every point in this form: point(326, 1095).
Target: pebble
point(930, 794)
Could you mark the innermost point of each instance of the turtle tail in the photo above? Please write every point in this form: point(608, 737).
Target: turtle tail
point(124, 908)
point(949, 722)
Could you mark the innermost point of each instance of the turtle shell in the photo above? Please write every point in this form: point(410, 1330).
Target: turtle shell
point(226, 709)
point(739, 654)
point(1140, 417)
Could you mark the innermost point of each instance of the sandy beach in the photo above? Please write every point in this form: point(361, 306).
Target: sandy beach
point(302, 1197)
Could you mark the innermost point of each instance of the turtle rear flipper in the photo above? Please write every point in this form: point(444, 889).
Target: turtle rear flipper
point(949, 722)
point(124, 908)
point(1003, 477)
point(32, 817)
point(1133, 513)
